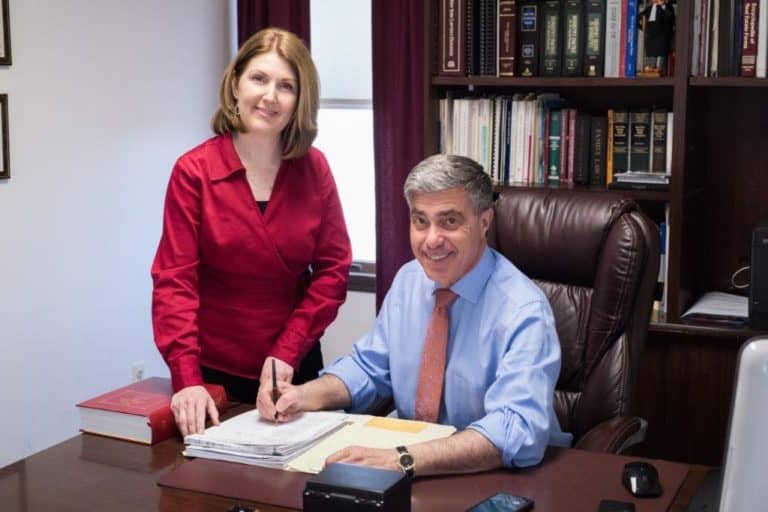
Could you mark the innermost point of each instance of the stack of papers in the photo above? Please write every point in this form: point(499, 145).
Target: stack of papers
point(306, 442)
point(718, 308)
point(250, 439)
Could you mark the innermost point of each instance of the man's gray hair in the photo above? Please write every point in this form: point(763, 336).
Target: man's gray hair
point(442, 172)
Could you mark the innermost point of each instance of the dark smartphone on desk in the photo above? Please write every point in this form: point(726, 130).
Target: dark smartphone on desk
point(501, 502)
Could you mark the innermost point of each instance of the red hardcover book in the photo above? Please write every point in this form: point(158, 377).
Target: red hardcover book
point(452, 51)
point(749, 38)
point(139, 412)
point(569, 177)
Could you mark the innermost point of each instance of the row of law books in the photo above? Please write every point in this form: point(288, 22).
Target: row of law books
point(730, 38)
point(541, 139)
point(527, 38)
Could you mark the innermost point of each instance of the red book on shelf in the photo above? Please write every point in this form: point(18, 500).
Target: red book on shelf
point(139, 412)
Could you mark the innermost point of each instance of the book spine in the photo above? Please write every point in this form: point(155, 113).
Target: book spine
point(452, 34)
point(507, 37)
point(749, 39)
point(472, 31)
point(528, 31)
point(762, 39)
point(609, 150)
point(488, 50)
point(573, 45)
point(670, 138)
point(640, 140)
point(555, 127)
point(612, 37)
point(620, 141)
point(696, 39)
point(551, 56)
point(571, 145)
point(564, 143)
point(726, 28)
point(581, 157)
point(597, 146)
point(631, 41)
point(659, 141)
point(594, 52)
point(623, 40)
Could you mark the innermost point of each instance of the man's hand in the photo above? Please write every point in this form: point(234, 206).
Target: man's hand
point(190, 406)
point(290, 404)
point(376, 457)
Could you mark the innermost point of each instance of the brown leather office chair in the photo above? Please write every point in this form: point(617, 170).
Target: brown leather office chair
point(596, 257)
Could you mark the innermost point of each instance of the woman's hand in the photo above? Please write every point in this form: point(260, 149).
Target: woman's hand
point(190, 406)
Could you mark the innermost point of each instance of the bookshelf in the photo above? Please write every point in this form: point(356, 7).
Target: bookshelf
point(718, 192)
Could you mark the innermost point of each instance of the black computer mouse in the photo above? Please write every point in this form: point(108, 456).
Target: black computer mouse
point(641, 479)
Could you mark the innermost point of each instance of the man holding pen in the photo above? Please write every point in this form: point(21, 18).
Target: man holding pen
point(462, 338)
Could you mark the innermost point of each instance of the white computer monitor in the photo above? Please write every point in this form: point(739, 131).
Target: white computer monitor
point(745, 475)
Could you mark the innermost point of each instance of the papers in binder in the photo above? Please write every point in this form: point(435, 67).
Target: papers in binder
point(718, 308)
point(250, 439)
point(304, 443)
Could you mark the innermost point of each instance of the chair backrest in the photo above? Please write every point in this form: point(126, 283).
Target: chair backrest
point(596, 257)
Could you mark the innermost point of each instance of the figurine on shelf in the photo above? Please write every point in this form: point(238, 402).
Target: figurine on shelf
point(657, 21)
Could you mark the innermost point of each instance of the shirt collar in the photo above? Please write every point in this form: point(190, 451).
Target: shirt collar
point(471, 285)
point(230, 162)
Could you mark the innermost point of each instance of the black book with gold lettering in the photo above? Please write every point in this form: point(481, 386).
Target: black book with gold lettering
point(573, 38)
point(528, 38)
point(640, 140)
point(594, 40)
point(551, 38)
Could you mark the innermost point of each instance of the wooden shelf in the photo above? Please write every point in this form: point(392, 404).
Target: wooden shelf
point(659, 324)
point(558, 82)
point(727, 81)
point(639, 195)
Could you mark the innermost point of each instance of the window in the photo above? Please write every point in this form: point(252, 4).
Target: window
point(341, 49)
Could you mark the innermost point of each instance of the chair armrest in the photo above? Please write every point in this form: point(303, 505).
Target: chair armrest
point(614, 435)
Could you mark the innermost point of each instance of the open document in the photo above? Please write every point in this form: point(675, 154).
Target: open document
point(304, 443)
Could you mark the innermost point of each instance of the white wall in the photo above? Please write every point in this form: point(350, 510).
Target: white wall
point(103, 97)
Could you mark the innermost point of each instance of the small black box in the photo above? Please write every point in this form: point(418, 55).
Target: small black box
point(349, 487)
point(758, 286)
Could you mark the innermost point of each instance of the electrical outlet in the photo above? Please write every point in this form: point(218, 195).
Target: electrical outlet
point(137, 371)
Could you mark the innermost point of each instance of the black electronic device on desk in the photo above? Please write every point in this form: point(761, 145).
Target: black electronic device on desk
point(349, 487)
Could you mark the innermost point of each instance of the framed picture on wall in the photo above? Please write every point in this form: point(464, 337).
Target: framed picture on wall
point(5, 34)
point(5, 157)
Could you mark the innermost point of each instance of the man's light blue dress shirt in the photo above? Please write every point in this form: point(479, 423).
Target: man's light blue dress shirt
point(503, 357)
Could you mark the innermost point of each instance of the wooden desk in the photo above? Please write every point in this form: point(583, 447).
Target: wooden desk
point(91, 473)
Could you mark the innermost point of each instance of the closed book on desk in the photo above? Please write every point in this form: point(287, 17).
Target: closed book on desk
point(139, 412)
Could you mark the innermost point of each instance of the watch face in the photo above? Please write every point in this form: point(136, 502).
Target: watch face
point(406, 460)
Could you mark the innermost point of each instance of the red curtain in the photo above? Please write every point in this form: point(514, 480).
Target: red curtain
point(398, 118)
point(254, 15)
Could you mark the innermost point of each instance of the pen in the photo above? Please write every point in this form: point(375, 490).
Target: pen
point(275, 394)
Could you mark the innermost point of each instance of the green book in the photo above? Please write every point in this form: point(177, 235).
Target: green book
point(555, 129)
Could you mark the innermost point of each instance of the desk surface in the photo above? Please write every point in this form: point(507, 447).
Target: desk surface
point(94, 473)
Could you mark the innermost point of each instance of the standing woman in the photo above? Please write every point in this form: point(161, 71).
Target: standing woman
point(254, 257)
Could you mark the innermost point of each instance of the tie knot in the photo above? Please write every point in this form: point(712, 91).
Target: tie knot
point(444, 297)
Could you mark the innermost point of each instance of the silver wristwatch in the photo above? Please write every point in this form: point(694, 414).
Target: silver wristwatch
point(405, 460)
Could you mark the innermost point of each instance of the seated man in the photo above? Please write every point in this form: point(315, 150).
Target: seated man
point(462, 338)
